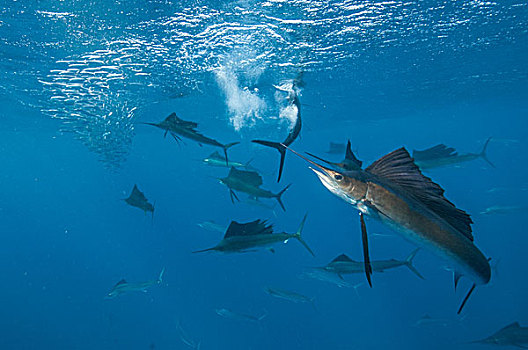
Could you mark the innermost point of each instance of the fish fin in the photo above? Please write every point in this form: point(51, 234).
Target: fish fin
point(226, 147)
point(399, 168)
point(279, 195)
point(233, 196)
point(123, 281)
point(466, 298)
point(456, 277)
point(257, 227)
point(340, 276)
point(165, 134)
point(160, 277)
point(204, 250)
point(342, 257)
point(247, 165)
point(251, 177)
point(312, 301)
point(279, 147)
point(264, 315)
point(351, 158)
point(176, 137)
point(484, 155)
point(435, 152)
point(299, 237)
point(271, 250)
point(511, 325)
point(409, 263)
point(366, 257)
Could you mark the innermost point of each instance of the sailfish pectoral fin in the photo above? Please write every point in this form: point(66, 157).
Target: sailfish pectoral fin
point(456, 278)
point(466, 298)
point(233, 196)
point(366, 257)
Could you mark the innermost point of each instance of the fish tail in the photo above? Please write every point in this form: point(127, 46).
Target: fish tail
point(248, 164)
point(409, 263)
point(203, 250)
point(160, 278)
point(226, 147)
point(299, 237)
point(312, 301)
point(484, 155)
point(263, 316)
point(279, 147)
point(279, 195)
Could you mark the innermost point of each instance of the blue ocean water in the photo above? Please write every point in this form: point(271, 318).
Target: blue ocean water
point(79, 77)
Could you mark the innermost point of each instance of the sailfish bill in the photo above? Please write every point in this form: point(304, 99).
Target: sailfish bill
point(394, 191)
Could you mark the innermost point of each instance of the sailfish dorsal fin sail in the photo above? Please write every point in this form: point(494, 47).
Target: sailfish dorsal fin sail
point(173, 118)
point(351, 158)
point(398, 168)
point(342, 258)
point(512, 325)
point(123, 281)
point(137, 195)
point(257, 227)
point(216, 155)
point(438, 151)
point(251, 177)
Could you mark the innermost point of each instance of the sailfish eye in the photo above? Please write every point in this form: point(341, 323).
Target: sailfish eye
point(338, 177)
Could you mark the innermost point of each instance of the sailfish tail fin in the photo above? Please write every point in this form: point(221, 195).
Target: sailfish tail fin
point(204, 250)
point(278, 196)
point(484, 155)
point(279, 147)
point(409, 263)
point(299, 237)
point(226, 147)
point(160, 278)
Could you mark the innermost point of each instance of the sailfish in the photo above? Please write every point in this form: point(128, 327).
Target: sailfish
point(292, 135)
point(179, 128)
point(137, 199)
point(394, 191)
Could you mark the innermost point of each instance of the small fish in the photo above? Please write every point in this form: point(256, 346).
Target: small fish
point(245, 237)
point(441, 155)
point(342, 265)
point(184, 337)
point(212, 226)
point(321, 274)
point(217, 160)
point(292, 135)
point(511, 335)
point(289, 295)
point(249, 182)
point(502, 209)
point(123, 286)
point(137, 199)
point(182, 128)
point(394, 191)
point(239, 316)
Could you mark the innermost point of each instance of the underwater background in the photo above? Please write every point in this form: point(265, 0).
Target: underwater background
point(77, 79)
